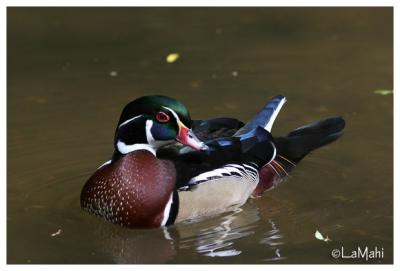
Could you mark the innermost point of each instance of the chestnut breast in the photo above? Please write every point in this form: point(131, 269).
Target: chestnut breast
point(132, 191)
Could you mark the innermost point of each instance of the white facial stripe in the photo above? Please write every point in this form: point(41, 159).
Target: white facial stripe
point(124, 149)
point(167, 211)
point(149, 136)
point(129, 120)
point(173, 113)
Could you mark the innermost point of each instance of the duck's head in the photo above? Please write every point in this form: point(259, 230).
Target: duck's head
point(151, 122)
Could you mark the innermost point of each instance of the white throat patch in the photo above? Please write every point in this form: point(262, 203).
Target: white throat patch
point(124, 149)
point(152, 145)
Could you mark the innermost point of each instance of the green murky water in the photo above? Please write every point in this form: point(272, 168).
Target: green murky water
point(70, 72)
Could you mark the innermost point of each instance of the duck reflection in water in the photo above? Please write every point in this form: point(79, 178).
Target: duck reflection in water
point(221, 240)
point(212, 237)
point(126, 246)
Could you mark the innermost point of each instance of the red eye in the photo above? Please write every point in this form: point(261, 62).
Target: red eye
point(162, 117)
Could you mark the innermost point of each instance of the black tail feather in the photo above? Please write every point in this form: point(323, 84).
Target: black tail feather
point(303, 140)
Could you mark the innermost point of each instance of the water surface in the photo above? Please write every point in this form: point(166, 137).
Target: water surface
point(71, 71)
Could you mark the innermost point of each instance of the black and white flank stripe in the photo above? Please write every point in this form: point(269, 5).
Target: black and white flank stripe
point(239, 172)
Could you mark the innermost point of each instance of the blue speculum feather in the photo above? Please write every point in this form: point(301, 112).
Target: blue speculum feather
point(224, 142)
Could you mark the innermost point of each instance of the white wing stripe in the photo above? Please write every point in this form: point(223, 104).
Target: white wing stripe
point(271, 121)
point(230, 170)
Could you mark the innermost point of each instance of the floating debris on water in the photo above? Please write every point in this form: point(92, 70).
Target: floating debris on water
point(38, 100)
point(37, 206)
point(58, 232)
point(171, 58)
point(383, 92)
point(235, 73)
point(113, 73)
point(319, 236)
point(341, 198)
point(195, 84)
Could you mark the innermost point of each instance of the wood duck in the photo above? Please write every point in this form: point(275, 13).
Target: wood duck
point(167, 168)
